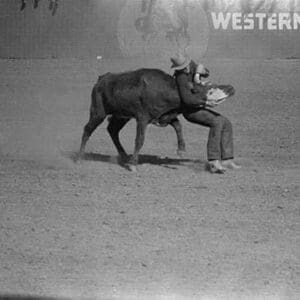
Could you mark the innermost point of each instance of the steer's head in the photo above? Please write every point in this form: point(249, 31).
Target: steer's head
point(218, 93)
point(213, 93)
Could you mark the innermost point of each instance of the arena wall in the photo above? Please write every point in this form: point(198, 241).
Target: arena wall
point(89, 28)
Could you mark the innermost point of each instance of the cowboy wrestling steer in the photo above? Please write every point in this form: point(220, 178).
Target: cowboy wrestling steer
point(147, 95)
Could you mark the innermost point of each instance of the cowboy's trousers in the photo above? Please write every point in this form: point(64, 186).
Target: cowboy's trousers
point(220, 137)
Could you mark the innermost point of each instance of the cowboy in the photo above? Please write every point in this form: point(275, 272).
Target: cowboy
point(220, 138)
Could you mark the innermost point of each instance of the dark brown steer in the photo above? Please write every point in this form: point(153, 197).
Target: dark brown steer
point(147, 95)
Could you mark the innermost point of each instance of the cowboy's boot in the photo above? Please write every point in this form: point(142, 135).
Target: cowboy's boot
point(216, 167)
point(230, 164)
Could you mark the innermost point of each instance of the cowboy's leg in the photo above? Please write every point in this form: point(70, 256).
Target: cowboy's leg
point(227, 152)
point(214, 121)
point(226, 139)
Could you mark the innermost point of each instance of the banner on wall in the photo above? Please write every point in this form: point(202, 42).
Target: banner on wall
point(160, 26)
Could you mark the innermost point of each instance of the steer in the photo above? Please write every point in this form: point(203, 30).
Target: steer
point(147, 95)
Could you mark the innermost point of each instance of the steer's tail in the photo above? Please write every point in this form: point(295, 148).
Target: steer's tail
point(97, 105)
point(97, 116)
point(93, 107)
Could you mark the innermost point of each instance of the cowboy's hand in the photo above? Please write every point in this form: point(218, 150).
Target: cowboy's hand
point(211, 103)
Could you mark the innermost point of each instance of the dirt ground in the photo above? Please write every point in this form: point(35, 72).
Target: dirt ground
point(170, 231)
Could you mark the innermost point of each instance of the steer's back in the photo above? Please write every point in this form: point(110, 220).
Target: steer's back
point(147, 91)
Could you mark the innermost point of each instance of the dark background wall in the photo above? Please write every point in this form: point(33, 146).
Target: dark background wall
point(87, 28)
point(79, 28)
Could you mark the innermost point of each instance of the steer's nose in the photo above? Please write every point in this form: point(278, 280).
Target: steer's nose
point(230, 90)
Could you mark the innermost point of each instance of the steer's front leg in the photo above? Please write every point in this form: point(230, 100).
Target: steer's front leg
point(141, 124)
point(175, 123)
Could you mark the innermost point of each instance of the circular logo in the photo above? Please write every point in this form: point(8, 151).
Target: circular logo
point(162, 28)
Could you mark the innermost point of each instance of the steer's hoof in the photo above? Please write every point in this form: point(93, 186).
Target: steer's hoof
point(132, 168)
point(78, 157)
point(181, 153)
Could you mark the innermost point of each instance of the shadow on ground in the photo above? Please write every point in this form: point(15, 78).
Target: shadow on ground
point(35, 297)
point(143, 159)
point(28, 297)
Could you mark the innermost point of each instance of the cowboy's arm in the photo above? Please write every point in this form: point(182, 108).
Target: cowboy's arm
point(198, 87)
point(186, 94)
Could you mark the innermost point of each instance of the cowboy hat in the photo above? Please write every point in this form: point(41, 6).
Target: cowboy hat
point(180, 62)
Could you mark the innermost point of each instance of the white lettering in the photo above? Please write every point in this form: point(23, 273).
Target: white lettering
point(284, 19)
point(248, 22)
point(272, 22)
point(260, 17)
point(219, 20)
point(296, 20)
point(236, 21)
point(252, 21)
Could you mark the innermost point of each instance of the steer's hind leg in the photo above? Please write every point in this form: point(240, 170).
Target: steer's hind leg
point(175, 123)
point(114, 127)
point(89, 128)
point(139, 142)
